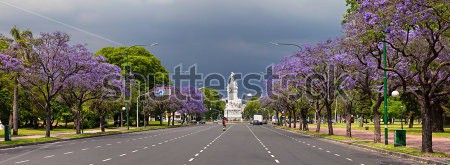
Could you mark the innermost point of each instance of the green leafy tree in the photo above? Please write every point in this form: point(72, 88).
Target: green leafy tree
point(212, 102)
point(144, 66)
point(20, 47)
point(252, 108)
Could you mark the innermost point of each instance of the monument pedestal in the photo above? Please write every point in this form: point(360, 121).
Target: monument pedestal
point(234, 107)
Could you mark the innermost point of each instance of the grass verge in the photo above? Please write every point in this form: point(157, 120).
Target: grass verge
point(402, 149)
point(77, 136)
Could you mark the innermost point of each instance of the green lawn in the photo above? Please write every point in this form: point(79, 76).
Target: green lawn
point(336, 137)
point(26, 141)
point(416, 130)
point(41, 131)
point(390, 147)
point(406, 150)
point(154, 126)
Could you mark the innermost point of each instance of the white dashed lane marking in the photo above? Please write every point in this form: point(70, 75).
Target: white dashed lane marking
point(49, 156)
point(309, 144)
point(22, 161)
point(262, 144)
point(204, 148)
point(106, 160)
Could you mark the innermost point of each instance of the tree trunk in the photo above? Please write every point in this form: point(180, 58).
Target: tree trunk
point(303, 114)
point(290, 118)
point(376, 121)
point(411, 121)
point(317, 119)
point(361, 123)
point(295, 118)
point(278, 118)
point(65, 122)
point(79, 108)
point(161, 119)
point(168, 120)
point(329, 115)
point(47, 118)
point(301, 120)
point(100, 112)
point(348, 119)
point(173, 118)
point(35, 123)
point(145, 117)
point(15, 108)
point(318, 123)
point(427, 144)
point(437, 118)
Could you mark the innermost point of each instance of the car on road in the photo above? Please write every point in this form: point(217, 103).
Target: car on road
point(216, 122)
point(264, 122)
point(202, 122)
point(256, 122)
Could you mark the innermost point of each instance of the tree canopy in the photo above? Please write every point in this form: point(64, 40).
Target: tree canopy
point(144, 66)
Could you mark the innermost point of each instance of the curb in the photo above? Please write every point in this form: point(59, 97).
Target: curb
point(63, 140)
point(386, 152)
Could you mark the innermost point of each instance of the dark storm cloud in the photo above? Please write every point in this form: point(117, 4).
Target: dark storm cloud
point(220, 36)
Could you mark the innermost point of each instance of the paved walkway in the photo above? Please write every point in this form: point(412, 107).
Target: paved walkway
point(440, 144)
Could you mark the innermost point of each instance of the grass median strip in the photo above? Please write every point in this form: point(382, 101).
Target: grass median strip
point(25, 141)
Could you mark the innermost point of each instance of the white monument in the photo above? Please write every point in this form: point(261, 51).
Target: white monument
point(1, 125)
point(234, 107)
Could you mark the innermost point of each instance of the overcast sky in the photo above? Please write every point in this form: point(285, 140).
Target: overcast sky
point(219, 36)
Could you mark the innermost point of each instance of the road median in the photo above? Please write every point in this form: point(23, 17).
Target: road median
point(66, 137)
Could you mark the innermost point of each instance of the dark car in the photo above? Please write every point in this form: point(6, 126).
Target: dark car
point(256, 122)
point(202, 122)
point(264, 122)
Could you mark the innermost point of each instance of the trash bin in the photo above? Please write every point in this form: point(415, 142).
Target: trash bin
point(399, 138)
point(7, 133)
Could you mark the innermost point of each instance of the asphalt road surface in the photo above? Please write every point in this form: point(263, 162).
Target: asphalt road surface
point(241, 144)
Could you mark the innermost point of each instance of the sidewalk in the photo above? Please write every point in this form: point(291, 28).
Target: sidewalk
point(439, 144)
point(64, 133)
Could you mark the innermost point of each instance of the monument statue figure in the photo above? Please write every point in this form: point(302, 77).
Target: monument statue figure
point(234, 107)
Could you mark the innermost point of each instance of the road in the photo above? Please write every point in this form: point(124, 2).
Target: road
point(204, 144)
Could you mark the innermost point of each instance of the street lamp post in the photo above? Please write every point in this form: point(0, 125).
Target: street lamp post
point(401, 118)
point(121, 117)
point(127, 73)
point(137, 104)
point(396, 94)
point(287, 44)
point(385, 92)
